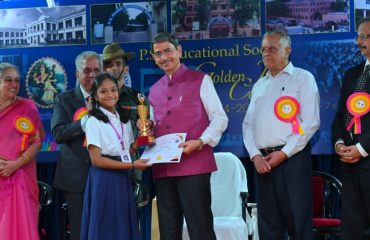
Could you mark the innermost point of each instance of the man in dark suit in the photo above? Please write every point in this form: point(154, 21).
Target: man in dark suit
point(68, 130)
point(353, 145)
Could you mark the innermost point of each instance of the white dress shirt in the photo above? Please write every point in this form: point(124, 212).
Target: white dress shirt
point(103, 136)
point(262, 129)
point(217, 117)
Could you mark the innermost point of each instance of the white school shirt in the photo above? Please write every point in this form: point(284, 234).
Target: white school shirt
point(262, 129)
point(103, 136)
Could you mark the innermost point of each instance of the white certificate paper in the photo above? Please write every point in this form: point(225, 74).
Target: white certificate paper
point(165, 150)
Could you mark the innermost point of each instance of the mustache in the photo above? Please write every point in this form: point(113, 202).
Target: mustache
point(361, 46)
point(164, 61)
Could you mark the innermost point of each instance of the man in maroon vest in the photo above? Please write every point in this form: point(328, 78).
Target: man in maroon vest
point(185, 100)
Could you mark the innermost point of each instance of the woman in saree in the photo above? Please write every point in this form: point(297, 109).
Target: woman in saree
point(20, 140)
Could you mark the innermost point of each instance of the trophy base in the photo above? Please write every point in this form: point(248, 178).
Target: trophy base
point(145, 141)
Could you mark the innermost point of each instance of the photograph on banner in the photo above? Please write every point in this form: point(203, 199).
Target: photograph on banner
point(45, 78)
point(362, 10)
point(42, 27)
point(127, 22)
point(306, 17)
point(205, 19)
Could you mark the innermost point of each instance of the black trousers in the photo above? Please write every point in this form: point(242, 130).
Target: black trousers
point(189, 197)
point(356, 202)
point(284, 199)
point(75, 203)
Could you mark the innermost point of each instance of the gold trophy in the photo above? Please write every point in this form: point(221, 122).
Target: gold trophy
point(145, 136)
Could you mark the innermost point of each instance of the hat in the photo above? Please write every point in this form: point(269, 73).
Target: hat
point(114, 50)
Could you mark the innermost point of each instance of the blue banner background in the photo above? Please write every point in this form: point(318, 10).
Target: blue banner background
point(233, 63)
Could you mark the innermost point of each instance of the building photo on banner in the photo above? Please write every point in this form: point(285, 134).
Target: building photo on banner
point(219, 37)
point(222, 38)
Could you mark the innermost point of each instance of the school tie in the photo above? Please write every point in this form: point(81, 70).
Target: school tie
point(360, 86)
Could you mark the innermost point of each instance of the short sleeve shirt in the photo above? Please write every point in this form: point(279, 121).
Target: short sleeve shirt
point(103, 135)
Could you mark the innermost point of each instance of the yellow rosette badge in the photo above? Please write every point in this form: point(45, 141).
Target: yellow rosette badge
point(24, 126)
point(286, 109)
point(358, 104)
point(80, 113)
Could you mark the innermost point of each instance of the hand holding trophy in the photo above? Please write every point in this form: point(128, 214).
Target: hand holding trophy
point(145, 136)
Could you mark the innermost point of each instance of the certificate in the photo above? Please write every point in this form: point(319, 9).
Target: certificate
point(165, 150)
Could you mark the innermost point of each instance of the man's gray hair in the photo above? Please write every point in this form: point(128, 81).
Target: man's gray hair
point(85, 55)
point(282, 33)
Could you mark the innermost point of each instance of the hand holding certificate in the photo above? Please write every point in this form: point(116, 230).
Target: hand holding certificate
point(166, 149)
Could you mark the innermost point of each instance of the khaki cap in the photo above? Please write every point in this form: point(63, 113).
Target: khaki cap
point(113, 51)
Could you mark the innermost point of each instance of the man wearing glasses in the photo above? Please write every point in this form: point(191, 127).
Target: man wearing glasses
point(185, 100)
point(68, 130)
point(352, 142)
point(282, 117)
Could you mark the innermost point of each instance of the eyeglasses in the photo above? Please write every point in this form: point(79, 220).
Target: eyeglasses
point(269, 49)
point(165, 52)
point(88, 71)
point(363, 37)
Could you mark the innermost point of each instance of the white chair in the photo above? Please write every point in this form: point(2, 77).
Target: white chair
point(227, 184)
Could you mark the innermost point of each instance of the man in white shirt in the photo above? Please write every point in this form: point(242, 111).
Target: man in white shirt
point(282, 117)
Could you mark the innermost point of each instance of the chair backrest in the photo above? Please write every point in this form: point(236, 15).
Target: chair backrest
point(141, 193)
point(46, 194)
point(318, 195)
point(226, 185)
point(325, 190)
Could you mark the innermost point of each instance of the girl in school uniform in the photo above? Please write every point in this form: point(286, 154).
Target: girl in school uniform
point(109, 210)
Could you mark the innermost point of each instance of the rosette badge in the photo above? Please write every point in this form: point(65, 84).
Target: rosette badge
point(24, 126)
point(358, 104)
point(80, 113)
point(286, 109)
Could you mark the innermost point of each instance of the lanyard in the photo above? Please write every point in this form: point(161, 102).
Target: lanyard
point(120, 138)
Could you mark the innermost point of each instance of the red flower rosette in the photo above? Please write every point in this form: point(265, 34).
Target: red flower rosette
point(24, 126)
point(358, 104)
point(286, 109)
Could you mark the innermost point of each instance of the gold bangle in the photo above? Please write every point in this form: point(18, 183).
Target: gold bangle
point(26, 158)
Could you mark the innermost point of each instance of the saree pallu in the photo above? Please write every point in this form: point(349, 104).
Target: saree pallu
point(18, 192)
